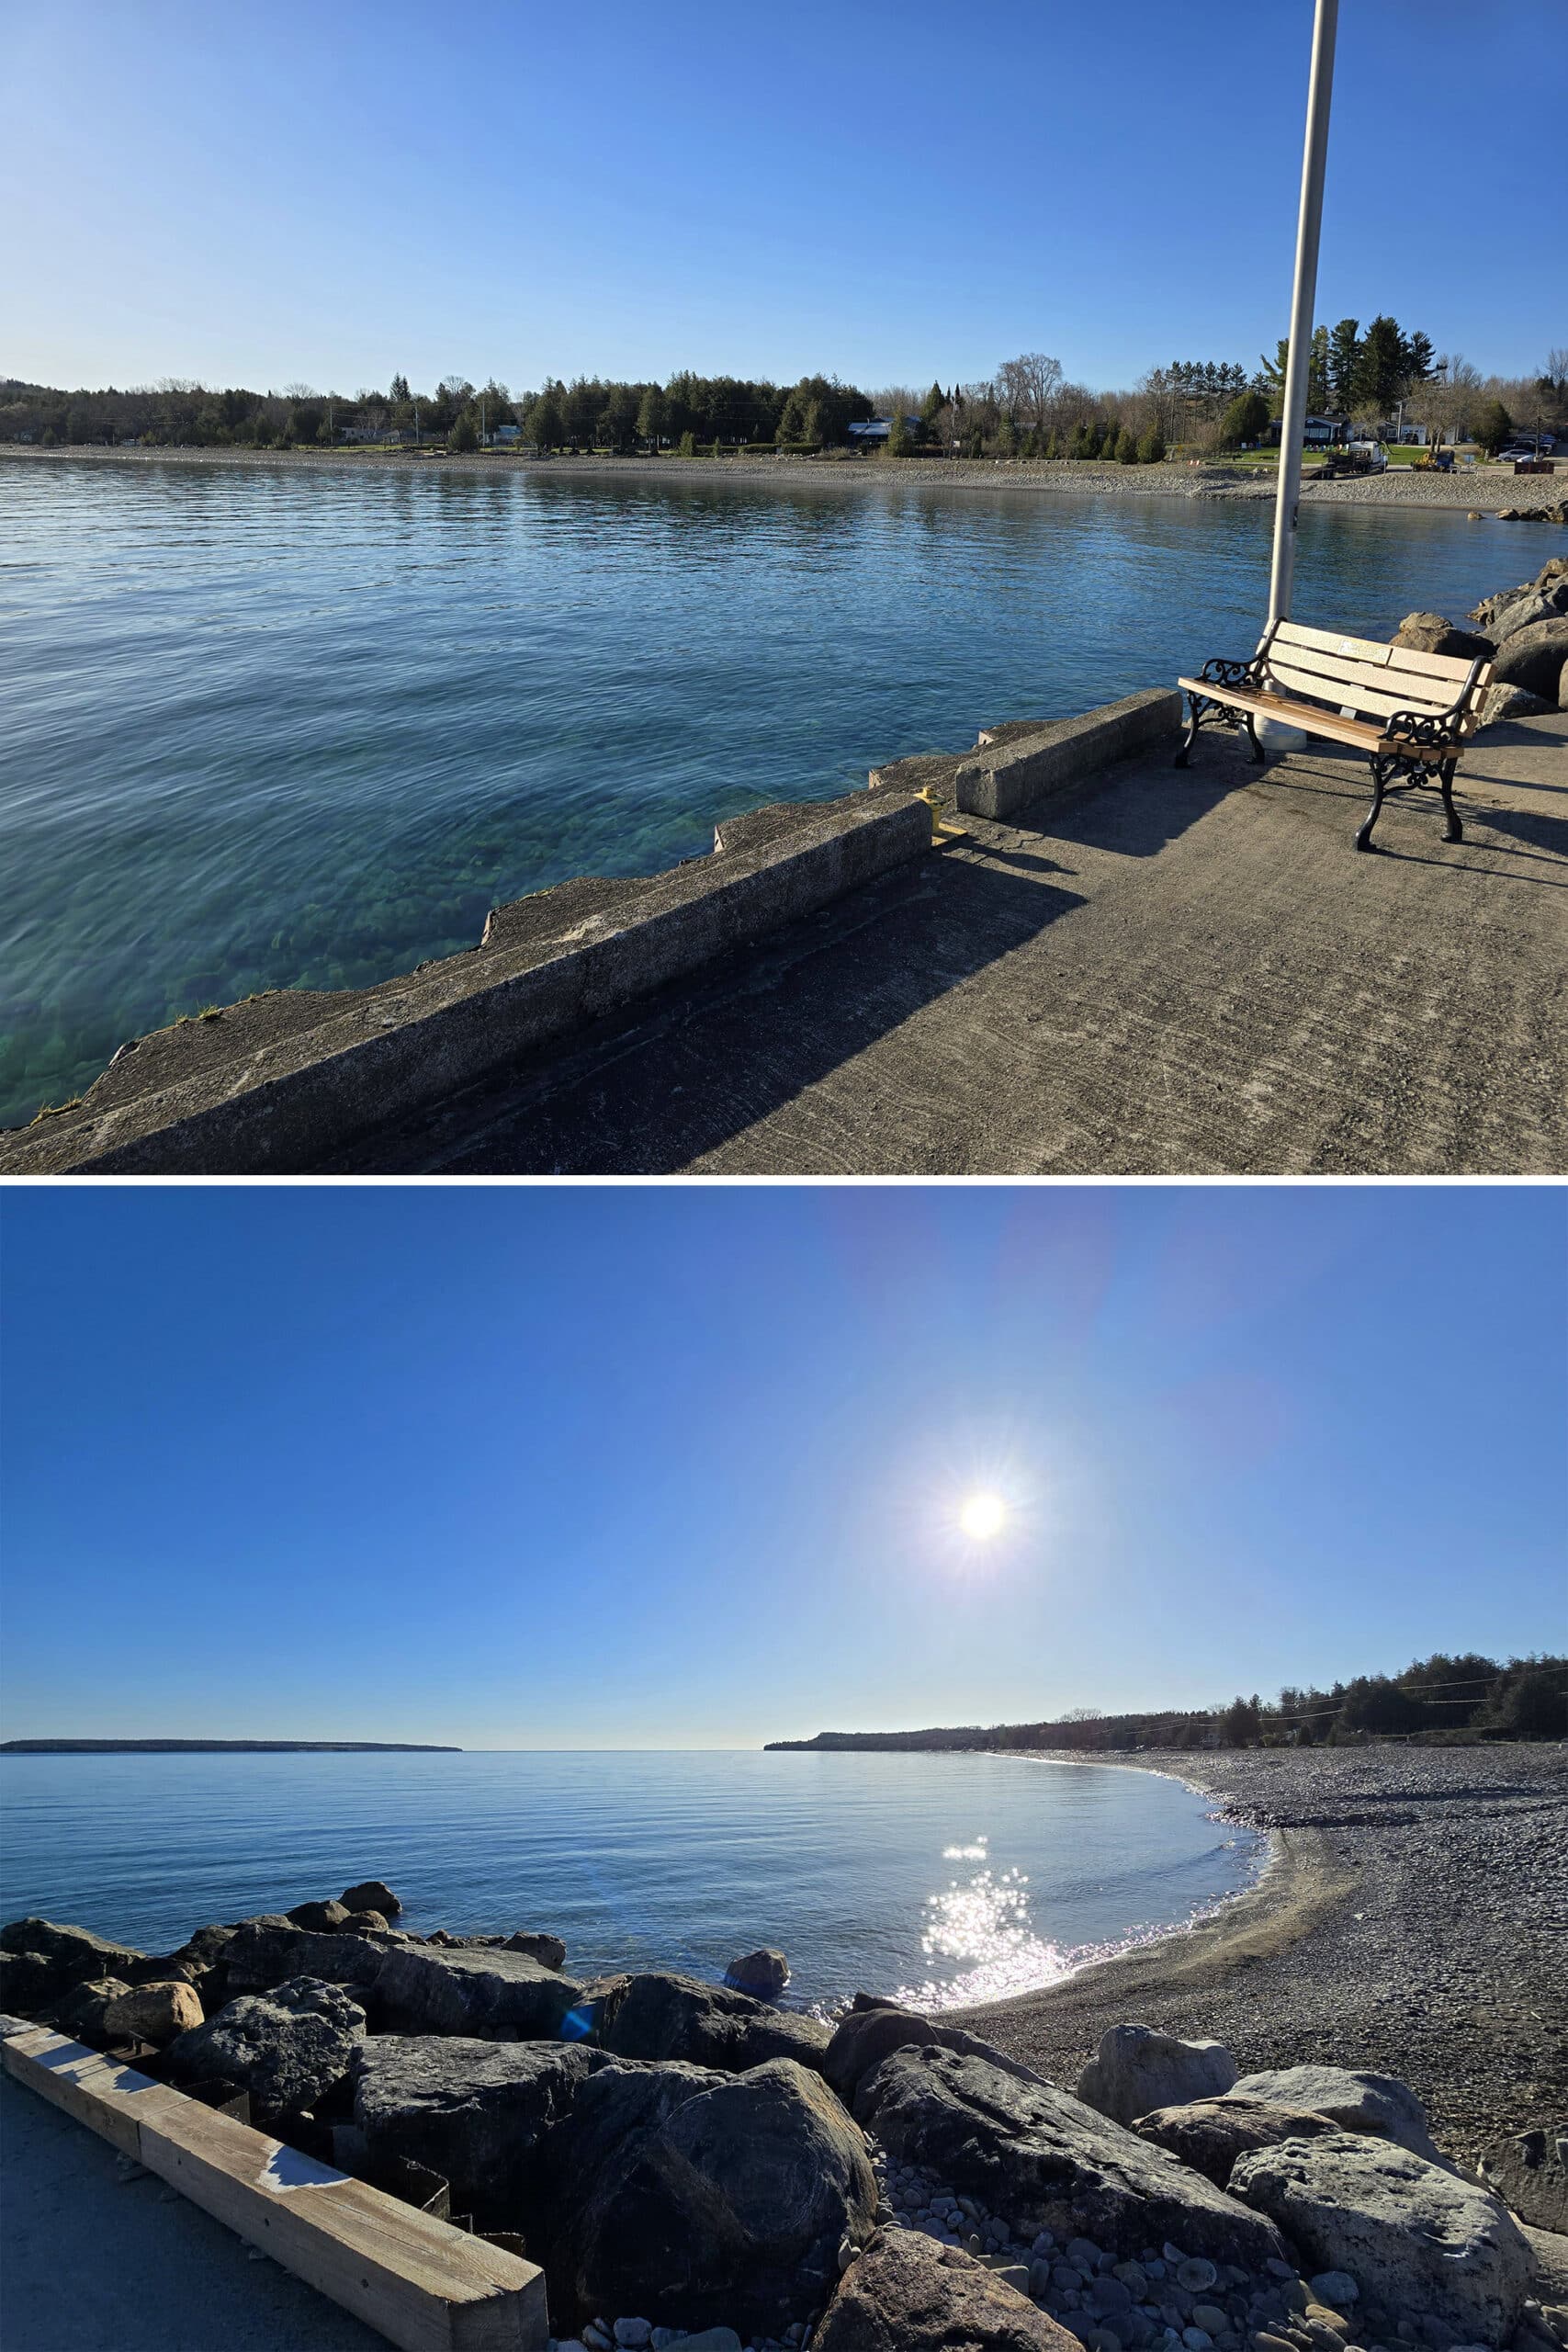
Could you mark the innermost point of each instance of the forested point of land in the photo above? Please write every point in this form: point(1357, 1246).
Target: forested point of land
point(1437, 1701)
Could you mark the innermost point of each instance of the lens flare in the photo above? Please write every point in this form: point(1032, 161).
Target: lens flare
point(981, 1517)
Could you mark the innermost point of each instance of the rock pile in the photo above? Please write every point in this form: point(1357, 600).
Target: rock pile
point(692, 2166)
point(1523, 632)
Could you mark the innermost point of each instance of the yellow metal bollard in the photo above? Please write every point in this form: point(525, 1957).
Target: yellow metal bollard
point(942, 832)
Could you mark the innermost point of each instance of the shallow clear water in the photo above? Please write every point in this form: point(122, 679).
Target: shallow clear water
point(950, 1878)
point(266, 727)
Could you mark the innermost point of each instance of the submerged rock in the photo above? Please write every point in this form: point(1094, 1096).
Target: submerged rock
point(762, 1973)
point(1042, 2160)
point(1417, 2239)
point(371, 1894)
point(547, 1950)
point(704, 2199)
point(1138, 2069)
point(664, 2017)
point(906, 2295)
point(1211, 2133)
point(290, 2047)
point(474, 2110)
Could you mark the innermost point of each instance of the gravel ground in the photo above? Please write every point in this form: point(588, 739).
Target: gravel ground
point(1488, 489)
point(1415, 1921)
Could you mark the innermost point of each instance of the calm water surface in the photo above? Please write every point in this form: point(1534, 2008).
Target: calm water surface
point(267, 727)
point(950, 1878)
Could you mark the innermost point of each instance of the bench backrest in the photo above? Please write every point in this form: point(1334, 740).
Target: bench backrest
point(1363, 679)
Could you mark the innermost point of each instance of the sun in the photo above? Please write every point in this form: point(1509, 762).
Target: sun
point(981, 1517)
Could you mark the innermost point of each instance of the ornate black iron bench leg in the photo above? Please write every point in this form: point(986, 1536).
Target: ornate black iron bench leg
point(1364, 838)
point(1453, 830)
point(1246, 721)
point(1196, 705)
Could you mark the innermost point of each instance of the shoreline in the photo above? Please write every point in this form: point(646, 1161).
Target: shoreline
point(1409, 1923)
point(1401, 490)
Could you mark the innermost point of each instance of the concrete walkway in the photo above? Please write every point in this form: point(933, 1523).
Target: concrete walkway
point(95, 2259)
point(1176, 973)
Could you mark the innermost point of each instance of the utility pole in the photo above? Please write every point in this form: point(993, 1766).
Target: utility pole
point(1303, 299)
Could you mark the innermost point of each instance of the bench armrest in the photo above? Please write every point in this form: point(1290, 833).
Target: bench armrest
point(1444, 731)
point(1217, 671)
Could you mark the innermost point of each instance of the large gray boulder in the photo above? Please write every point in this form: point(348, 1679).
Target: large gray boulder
point(1416, 2239)
point(266, 1952)
point(1350, 2096)
point(1211, 2133)
point(699, 2199)
point(1138, 2069)
point(763, 1973)
point(473, 2111)
point(1529, 2171)
point(80, 2012)
point(870, 2027)
point(1533, 657)
point(1430, 633)
point(322, 1919)
point(906, 2295)
point(489, 1994)
point(664, 2017)
point(288, 2047)
point(1042, 2160)
point(46, 1958)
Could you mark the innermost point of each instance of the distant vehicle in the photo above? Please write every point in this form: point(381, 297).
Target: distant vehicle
point(1355, 457)
point(1518, 452)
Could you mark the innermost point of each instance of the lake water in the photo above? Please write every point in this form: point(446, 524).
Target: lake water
point(950, 1878)
point(267, 727)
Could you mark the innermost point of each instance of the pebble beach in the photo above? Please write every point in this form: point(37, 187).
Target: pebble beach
point(1413, 1920)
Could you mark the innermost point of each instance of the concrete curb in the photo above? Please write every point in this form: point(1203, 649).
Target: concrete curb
point(1007, 774)
point(273, 1085)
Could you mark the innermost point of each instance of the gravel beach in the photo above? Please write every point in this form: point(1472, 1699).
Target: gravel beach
point(1488, 490)
point(1415, 1920)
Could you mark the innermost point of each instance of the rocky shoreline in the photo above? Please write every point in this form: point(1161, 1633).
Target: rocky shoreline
point(1411, 1919)
point(1489, 492)
point(695, 2165)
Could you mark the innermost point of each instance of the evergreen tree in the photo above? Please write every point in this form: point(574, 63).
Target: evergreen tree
point(1151, 448)
point(1126, 448)
point(1384, 364)
point(1344, 365)
point(400, 391)
point(1244, 421)
point(1494, 428)
point(935, 401)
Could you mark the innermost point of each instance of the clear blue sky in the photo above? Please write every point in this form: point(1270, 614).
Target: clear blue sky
point(893, 193)
point(680, 1466)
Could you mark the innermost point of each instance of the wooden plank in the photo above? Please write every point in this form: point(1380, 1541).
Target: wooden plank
point(1375, 654)
point(1399, 672)
point(1358, 732)
point(426, 2286)
point(1381, 703)
point(110, 2099)
point(1349, 681)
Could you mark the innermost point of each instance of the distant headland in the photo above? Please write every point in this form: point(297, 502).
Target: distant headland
point(224, 1747)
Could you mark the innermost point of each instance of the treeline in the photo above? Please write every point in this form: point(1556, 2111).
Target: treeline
point(1028, 409)
point(1439, 1701)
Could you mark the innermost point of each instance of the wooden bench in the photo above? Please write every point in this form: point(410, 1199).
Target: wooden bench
point(1411, 713)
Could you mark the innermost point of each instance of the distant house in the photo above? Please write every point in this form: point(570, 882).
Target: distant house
point(879, 429)
point(1317, 432)
point(505, 436)
point(375, 435)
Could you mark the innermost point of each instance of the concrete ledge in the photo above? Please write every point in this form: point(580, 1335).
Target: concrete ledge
point(273, 1085)
point(1027, 766)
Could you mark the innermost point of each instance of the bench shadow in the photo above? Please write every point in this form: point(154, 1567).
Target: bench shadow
point(647, 1090)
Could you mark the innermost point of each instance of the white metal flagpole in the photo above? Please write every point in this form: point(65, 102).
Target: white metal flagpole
point(1303, 301)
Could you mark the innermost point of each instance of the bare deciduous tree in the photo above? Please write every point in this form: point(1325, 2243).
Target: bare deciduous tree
point(1026, 387)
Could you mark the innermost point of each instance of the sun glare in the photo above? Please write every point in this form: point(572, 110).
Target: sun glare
point(981, 1517)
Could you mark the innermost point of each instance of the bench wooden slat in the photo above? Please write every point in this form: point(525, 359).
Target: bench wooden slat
point(1347, 681)
point(1377, 656)
point(1364, 736)
point(1284, 677)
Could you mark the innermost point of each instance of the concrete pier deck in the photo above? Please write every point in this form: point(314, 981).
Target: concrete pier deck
point(1167, 974)
point(102, 2258)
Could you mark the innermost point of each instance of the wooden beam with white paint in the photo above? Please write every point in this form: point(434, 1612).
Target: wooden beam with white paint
point(424, 2284)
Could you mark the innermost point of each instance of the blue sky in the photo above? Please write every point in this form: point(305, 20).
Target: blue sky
point(680, 1466)
point(892, 193)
